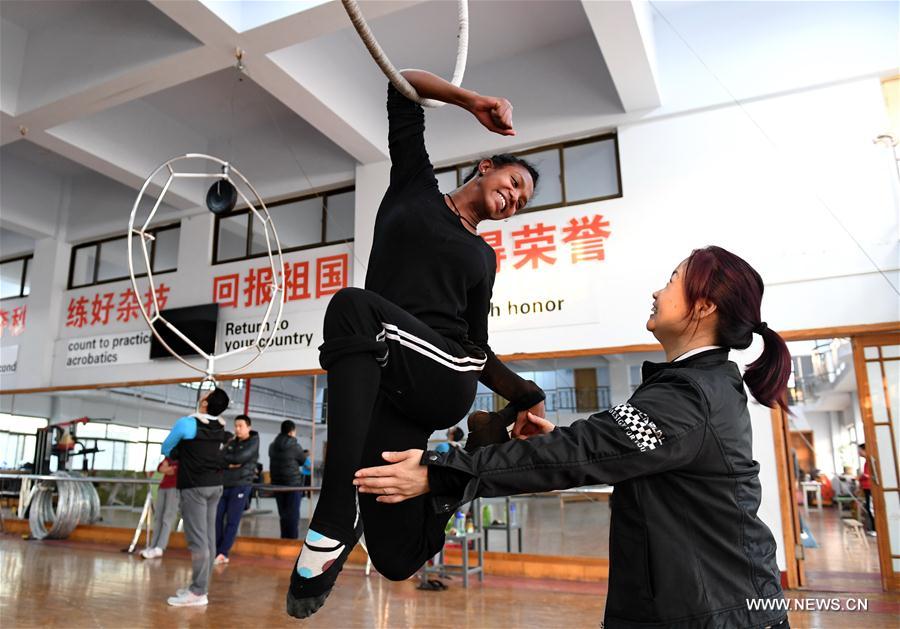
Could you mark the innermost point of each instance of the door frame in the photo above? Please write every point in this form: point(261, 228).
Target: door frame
point(795, 572)
point(795, 575)
point(890, 581)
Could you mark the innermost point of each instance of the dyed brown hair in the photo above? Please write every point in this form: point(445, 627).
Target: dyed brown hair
point(726, 280)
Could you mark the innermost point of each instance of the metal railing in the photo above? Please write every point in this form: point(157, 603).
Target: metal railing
point(583, 400)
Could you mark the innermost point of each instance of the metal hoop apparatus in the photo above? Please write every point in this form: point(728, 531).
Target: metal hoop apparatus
point(378, 54)
point(259, 210)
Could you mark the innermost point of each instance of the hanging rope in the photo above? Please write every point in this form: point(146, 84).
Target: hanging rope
point(378, 54)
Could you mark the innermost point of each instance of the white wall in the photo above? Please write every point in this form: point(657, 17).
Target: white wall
point(774, 189)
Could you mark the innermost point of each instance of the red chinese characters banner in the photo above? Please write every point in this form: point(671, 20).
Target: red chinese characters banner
point(252, 287)
point(541, 242)
point(550, 266)
point(12, 320)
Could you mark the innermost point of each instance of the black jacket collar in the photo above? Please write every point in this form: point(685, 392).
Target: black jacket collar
point(709, 357)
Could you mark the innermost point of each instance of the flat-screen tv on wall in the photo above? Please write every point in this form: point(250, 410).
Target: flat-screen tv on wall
point(198, 323)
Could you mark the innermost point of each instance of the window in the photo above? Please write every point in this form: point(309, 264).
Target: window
point(591, 170)
point(106, 260)
point(17, 439)
point(14, 280)
point(571, 173)
point(635, 377)
point(447, 181)
point(301, 223)
point(131, 448)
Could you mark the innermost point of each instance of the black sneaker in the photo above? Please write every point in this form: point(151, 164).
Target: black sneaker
point(307, 595)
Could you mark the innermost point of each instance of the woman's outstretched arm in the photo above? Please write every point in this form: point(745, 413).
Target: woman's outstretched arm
point(491, 111)
point(660, 428)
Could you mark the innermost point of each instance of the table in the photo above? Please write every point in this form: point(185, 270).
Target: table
point(808, 486)
point(595, 493)
point(442, 569)
point(508, 525)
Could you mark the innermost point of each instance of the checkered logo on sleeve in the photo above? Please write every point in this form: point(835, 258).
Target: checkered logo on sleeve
point(638, 426)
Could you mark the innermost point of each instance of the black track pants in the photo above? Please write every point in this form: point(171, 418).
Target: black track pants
point(392, 381)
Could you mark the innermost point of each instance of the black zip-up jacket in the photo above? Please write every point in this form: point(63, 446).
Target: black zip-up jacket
point(686, 546)
point(244, 453)
point(200, 460)
point(285, 459)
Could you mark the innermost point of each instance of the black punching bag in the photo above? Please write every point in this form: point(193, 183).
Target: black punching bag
point(221, 197)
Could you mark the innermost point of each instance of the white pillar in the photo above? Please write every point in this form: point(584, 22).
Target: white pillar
point(371, 184)
point(48, 272)
point(195, 242)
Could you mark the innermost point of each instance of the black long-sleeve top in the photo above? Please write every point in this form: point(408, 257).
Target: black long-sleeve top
point(244, 453)
point(425, 261)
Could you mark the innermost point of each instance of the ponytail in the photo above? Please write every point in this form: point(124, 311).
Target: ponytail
point(736, 289)
point(768, 375)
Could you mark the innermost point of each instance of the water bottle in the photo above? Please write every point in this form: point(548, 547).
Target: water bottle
point(513, 516)
point(460, 523)
point(487, 515)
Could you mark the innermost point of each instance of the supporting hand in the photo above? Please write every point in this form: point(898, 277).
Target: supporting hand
point(531, 422)
point(405, 478)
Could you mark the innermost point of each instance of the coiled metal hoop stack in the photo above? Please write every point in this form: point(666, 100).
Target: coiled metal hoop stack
point(78, 502)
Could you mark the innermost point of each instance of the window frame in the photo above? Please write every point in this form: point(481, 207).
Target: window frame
point(26, 258)
point(560, 148)
point(99, 244)
point(248, 240)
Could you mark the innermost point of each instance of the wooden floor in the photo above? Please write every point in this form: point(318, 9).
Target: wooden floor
point(831, 566)
point(68, 584)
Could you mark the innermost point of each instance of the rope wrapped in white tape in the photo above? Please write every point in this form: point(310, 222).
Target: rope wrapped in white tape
point(378, 54)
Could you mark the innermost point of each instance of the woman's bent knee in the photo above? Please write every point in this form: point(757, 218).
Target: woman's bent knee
point(395, 568)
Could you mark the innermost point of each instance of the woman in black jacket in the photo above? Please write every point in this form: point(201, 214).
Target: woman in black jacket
point(240, 454)
point(286, 457)
point(687, 549)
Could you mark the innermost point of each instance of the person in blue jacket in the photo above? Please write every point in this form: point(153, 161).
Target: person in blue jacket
point(196, 441)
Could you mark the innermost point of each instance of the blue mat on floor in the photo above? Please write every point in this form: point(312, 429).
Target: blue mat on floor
point(806, 536)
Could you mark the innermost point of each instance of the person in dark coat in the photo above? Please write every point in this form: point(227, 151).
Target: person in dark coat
point(240, 455)
point(286, 457)
point(687, 547)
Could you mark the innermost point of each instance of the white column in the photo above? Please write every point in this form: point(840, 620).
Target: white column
point(195, 243)
point(371, 184)
point(48, 273)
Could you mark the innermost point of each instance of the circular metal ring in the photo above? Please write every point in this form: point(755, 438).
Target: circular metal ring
point(258, 210)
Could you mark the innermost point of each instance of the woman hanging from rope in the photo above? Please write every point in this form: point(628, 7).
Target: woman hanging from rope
point(405, 355)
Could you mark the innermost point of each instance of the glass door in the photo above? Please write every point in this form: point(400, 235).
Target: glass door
point(878, 374)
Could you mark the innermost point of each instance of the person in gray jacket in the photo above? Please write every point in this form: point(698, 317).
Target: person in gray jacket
point(286, 457)
point(240, 454)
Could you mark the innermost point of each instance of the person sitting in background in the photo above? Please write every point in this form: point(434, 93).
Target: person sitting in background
point(165, 509)
point(241, 454)
point(286, 457)
point(199, 438)
point(455, 436)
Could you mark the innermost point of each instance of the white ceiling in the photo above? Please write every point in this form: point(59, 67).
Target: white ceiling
point(94, 94)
